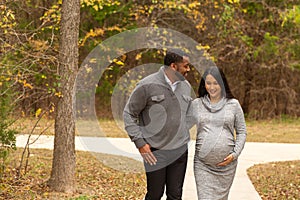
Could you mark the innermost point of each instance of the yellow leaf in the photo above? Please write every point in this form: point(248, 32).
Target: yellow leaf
point(93, 60)
point(46, 194)
point(199, 47)
point(28, 85)
point(119, 63)
point(206, 47)
point(52, 109)
point(58, 94)
point(96, 7)
point(138, 56)
point(38, 112)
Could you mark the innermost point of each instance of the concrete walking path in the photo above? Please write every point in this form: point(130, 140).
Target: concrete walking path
point(242, 188)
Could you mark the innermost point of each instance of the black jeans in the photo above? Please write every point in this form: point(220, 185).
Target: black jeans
point(169, 172)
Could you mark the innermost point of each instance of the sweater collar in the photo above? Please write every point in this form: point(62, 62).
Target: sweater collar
point(213, 107)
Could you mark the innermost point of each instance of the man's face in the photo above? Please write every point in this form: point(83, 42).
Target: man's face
point(183, 67)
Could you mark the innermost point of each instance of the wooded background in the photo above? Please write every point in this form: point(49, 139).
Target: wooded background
point(256, 43)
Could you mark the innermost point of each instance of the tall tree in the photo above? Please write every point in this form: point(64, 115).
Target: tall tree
point(63, 166)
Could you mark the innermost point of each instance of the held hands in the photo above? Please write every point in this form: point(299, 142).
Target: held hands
point(147, 154)
point(226, 160)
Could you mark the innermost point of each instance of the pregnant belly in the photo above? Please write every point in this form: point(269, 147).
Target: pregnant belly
point(222, 148)
point(217, 154)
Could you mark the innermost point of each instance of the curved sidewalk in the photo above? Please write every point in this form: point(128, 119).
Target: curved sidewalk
point(242, 188)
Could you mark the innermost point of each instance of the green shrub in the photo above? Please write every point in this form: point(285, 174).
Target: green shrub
point(7, 135)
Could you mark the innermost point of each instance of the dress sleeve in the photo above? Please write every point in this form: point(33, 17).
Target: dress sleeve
point(241, 132)
point(191, 117)
point(131, 115)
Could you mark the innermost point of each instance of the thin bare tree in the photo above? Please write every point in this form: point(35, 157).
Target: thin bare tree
point(63, 166)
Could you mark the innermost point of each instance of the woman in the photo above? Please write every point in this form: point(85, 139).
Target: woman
point(221, 135)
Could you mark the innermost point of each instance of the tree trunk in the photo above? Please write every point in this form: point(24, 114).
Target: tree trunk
point(63, 165)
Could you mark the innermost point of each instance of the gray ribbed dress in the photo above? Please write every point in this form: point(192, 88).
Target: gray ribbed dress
point(221, 130)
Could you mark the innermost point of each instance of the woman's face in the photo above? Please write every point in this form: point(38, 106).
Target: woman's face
point(212, 87)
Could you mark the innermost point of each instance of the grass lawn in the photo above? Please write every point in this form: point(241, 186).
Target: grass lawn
point(279, 131)
point(278, 180)
point(282, 131)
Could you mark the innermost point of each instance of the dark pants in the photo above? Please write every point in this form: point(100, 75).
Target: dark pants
point(169, 172)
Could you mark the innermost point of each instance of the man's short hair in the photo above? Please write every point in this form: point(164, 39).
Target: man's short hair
point(174, 56)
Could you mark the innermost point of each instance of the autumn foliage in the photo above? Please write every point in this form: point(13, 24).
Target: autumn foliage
point(255, 42)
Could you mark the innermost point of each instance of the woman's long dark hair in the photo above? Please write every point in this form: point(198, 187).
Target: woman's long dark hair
point(219, 75)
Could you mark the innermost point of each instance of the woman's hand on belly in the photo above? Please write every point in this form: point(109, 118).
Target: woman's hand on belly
point(226, 160)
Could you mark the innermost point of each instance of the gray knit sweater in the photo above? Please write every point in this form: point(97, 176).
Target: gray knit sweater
point(156, 115)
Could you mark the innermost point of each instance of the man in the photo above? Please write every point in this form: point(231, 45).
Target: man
point(154, 118)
